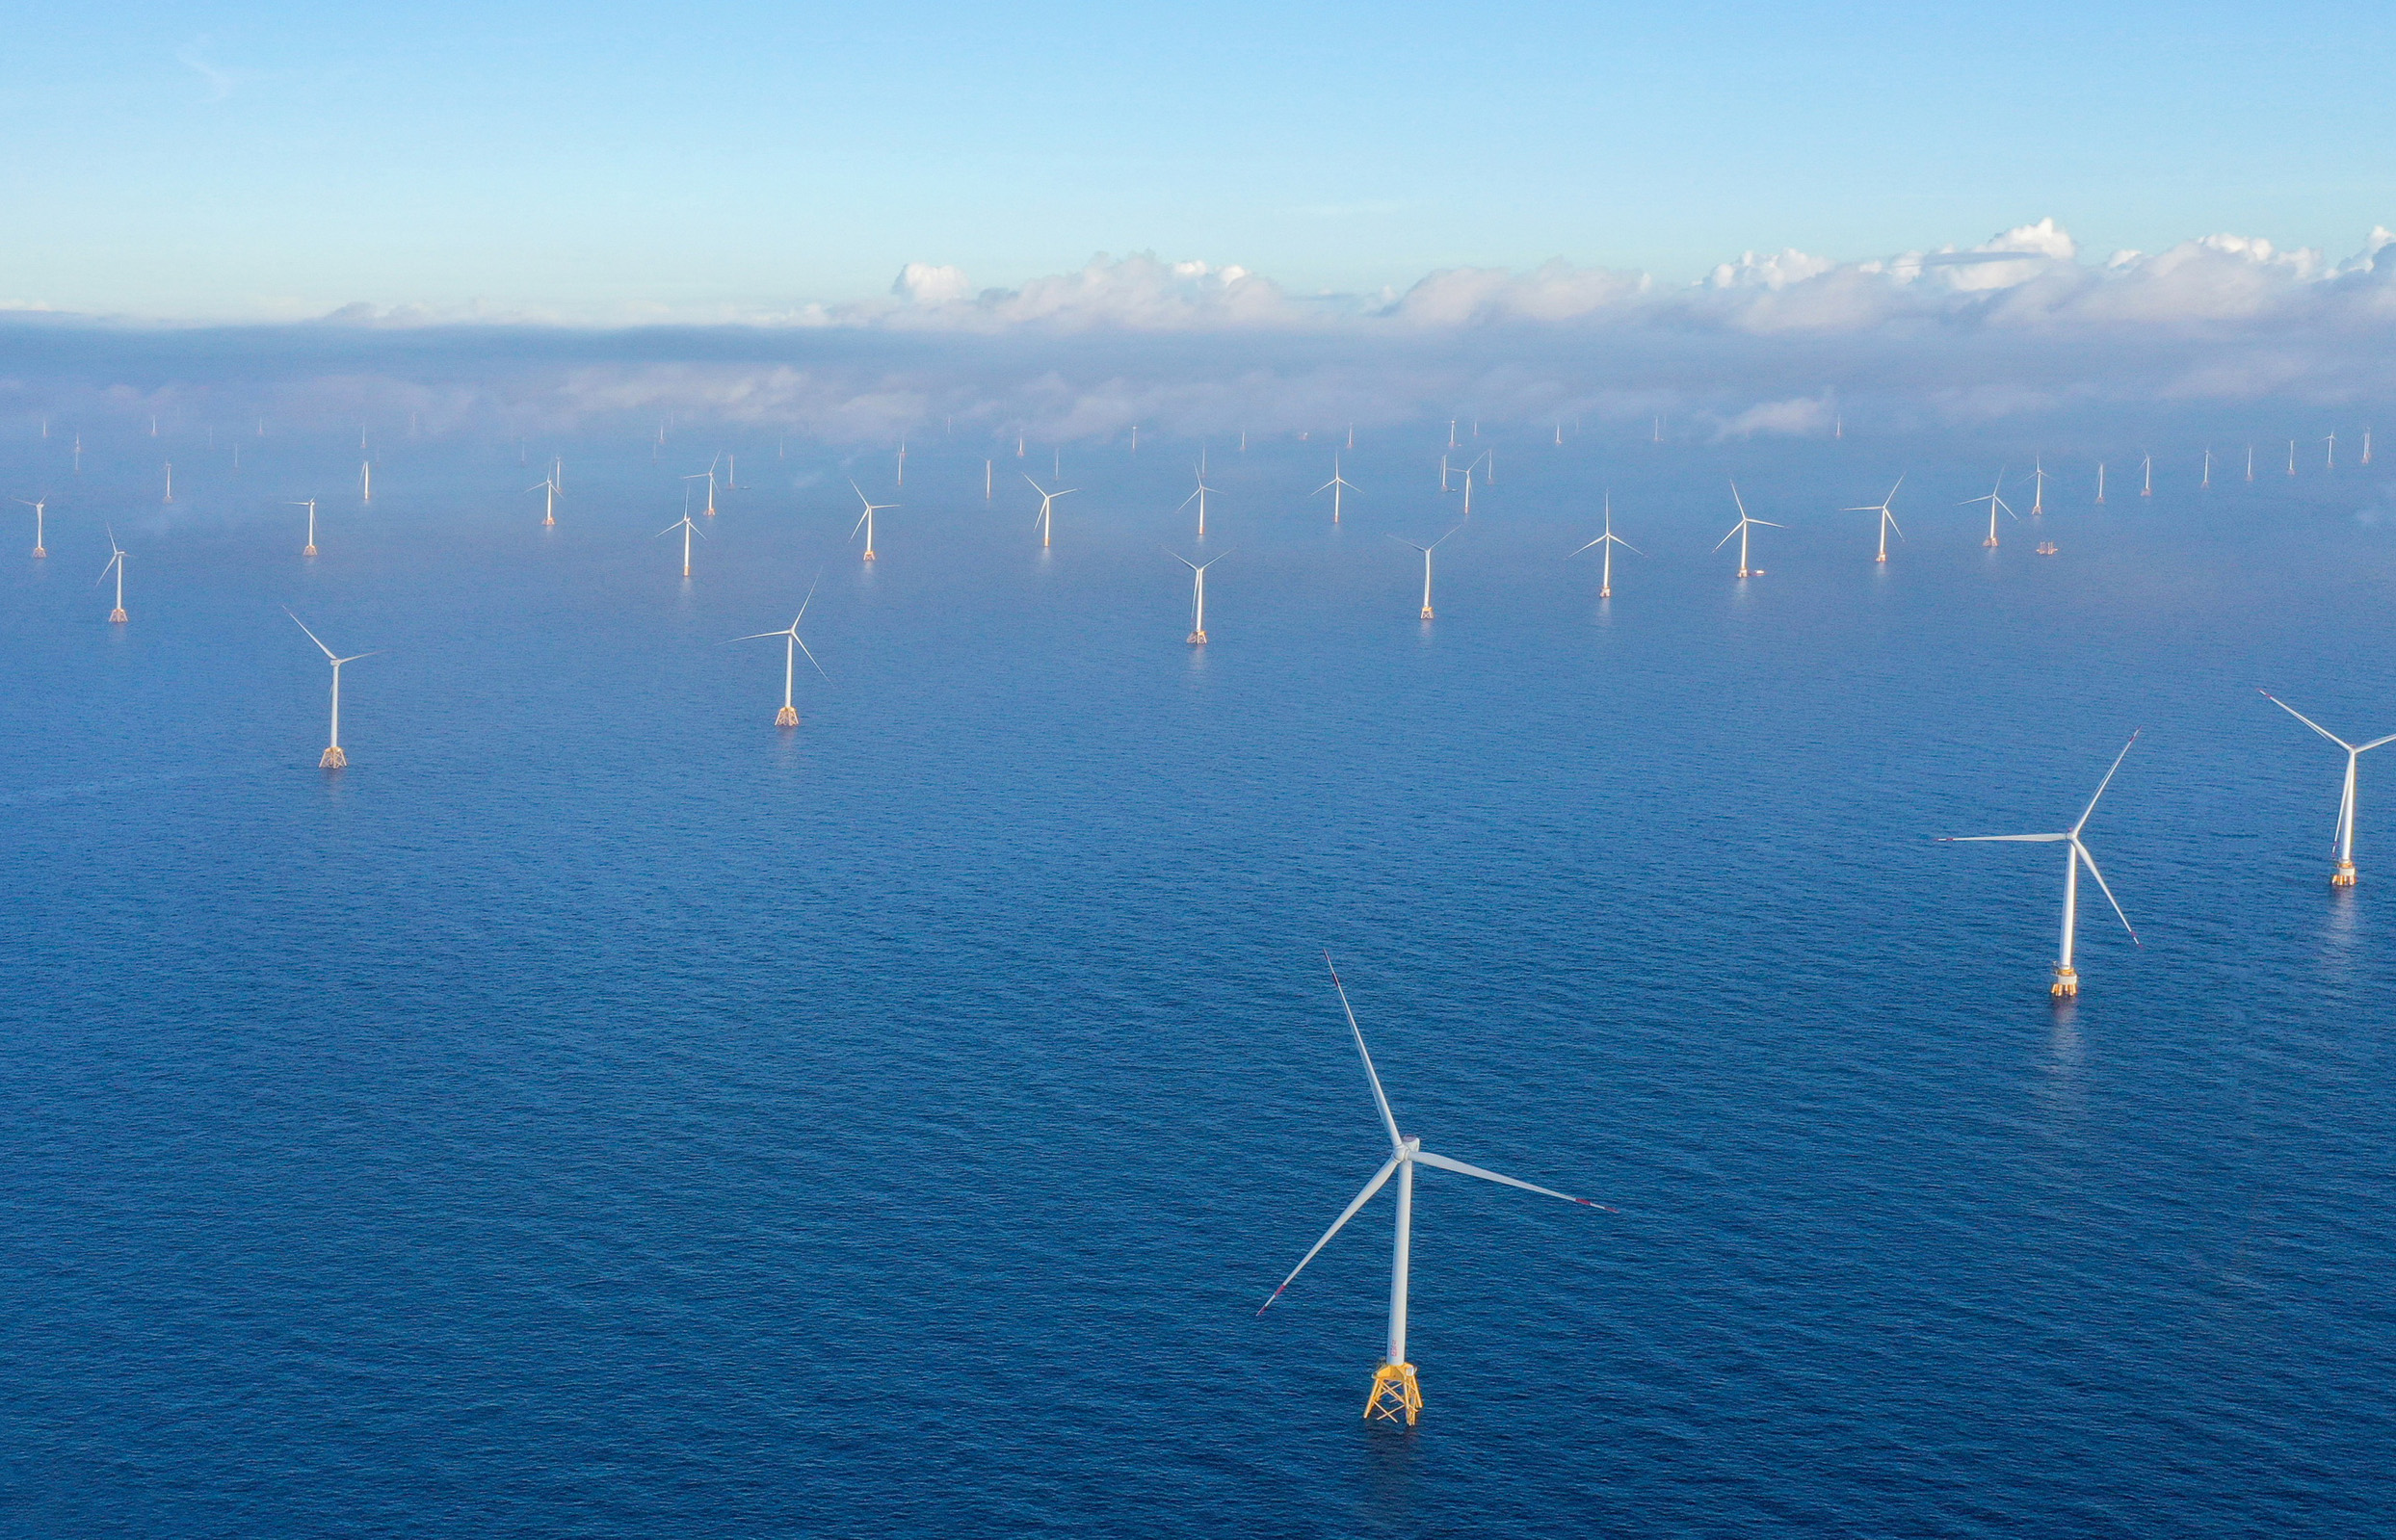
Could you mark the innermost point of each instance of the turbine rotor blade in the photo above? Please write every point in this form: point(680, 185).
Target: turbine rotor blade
point(1978, 839)
point(303, 625)
point(1426, 1157)
point(1345, 1215)
point(2090, 862)
point(1388, 1119)
point(2101, 785)
point(2307, 720)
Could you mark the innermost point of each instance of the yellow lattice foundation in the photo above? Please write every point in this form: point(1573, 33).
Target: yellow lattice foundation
point(2066, 983)
point(333, 759)
point(1394, 1392)
point(2344, 876)
point(786, 718)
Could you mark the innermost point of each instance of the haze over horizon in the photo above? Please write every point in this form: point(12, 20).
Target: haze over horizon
point(612, 165)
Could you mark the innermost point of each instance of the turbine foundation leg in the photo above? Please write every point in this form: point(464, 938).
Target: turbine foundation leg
point(38, 551)
point(1198, 639)
point(787, 716)
point(333, 759)
point(2344, 876)
point(1395, 1395)
point(2066, 983)
point(1992, 541)
point(117, 617)
point(310, 551)
point(1426, 612)
point(1605, 593)
point(869, 555)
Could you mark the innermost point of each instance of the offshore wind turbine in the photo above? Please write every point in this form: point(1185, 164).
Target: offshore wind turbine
point(1047, 500)
point(2332, 463)
point(1396, 1392)
point(2067, 980)
point(1426, 550)
point(116, 564)
point(549, 506)
point(1607, 542)
point(2038, 489)
point(333, 758)
point(2249, 462)
point(2208, 469)
point(1996, 501)
point(1200, 497)
point(1197, 594)
point(1889, 520)
point(170, 497)
point(311, 506)
point(709, 476)
point(687, 528)
point(2291, 457)
point(2367, 445)
point(1335, 486)
point(1740, 530)
point(2100, 487)
point(2146, 489)
point(366, 481)
point(865, 520)
point(793, 647)
point(901, 472)
point(2341, 876)
point(38, 504)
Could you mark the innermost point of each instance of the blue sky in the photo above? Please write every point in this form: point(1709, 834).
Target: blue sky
point(270, 161)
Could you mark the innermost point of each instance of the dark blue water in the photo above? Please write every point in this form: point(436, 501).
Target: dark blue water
point(596, 1112)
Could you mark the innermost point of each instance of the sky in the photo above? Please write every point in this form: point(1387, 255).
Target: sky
point(617, 164)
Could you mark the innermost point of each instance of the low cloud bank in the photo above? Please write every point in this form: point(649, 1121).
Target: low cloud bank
point(2019, 327)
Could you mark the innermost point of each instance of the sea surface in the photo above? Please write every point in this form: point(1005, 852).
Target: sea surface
point(599, 1113)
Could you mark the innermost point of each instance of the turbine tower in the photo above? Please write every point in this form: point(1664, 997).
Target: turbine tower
point(1427, 550)
point(311, 506)
point(1996, 501)
point(2341, 876)
point(1889, 520)
point(793, 647)
point(1396, 1393)
point(2038, 489)
point(366, 481)
point(1335, 486)
point(709, 476)
point(548, 485)
point(2147, 487)
point(333, 758)
point(2067, 980)
point(865, 520)
point(1607, 542)
point(1197, 594)
point(1740, 530)
point(38, 506)
point(170, 497)
point(116, 564)
point(1047, 500)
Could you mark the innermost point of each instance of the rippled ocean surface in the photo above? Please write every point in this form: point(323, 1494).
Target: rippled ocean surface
point(598, 1112)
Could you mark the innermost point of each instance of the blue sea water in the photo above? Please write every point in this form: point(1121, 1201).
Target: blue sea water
point(597, 1112)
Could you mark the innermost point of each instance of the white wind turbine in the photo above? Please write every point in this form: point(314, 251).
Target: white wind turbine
point(170, 497)
point(788, 716)
point(2207, 483)
point(2332, 463)
point(709, 476)
point(1427, 550)
point(366, 481)
point(2249, 462)
point(1889, 520)
point(38, 506)
point(2147, 486)
point(1047, 499)
point(1740, 530)
point(2067, 980)
point(116, 564)
point(1607, 542)
point(1996, 501)
point(2038, 489)
point(548, 485)
point(2341, 876)
point(311, 506)
point(1335, 486)
point(1198, 497)
point(1395, 1391)
point(333, 758)
point(687, 528)
point(1197, 594)
point(865, 520)
point(2101, 487)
